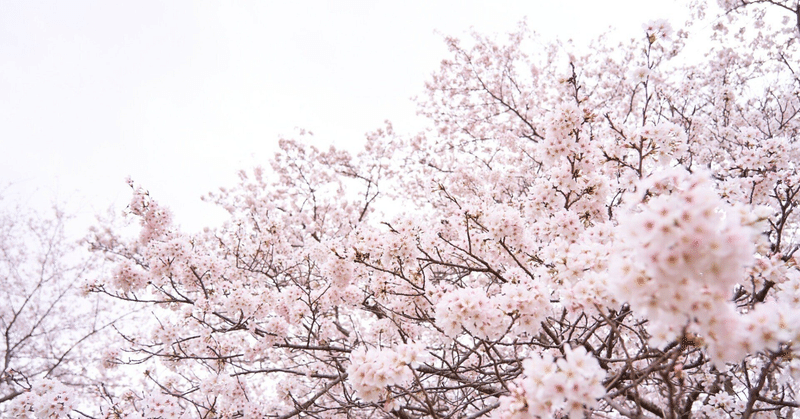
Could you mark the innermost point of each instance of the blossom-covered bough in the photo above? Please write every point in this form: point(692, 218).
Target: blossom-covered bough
point(602, 235)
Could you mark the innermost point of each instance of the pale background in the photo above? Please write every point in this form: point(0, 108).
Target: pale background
point(180, 95)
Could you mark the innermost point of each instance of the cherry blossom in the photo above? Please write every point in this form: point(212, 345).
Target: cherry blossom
point(608, 233)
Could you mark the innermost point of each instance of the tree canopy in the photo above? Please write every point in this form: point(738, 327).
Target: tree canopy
point(610, 233)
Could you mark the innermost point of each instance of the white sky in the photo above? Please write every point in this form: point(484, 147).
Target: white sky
point(180, 95)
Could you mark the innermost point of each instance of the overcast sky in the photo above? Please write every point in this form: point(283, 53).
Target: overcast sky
point(180, 95)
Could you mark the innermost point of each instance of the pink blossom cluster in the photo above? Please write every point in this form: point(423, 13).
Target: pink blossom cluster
point(766, 326)
point(564, 386)
point(658, 28)
point(155, 219)
point(528, 302)
point(47, 398)
point(668, 141)
point(160, 405)
point(722, 404)
point(562, 124)
point(472, 310)
point(683, 253)
point(371, 371)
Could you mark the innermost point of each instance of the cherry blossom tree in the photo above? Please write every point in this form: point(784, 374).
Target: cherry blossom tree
point(610, 233)
point(50, 328)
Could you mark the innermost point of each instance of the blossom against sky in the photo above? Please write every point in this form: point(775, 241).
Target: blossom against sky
point(180, 95)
